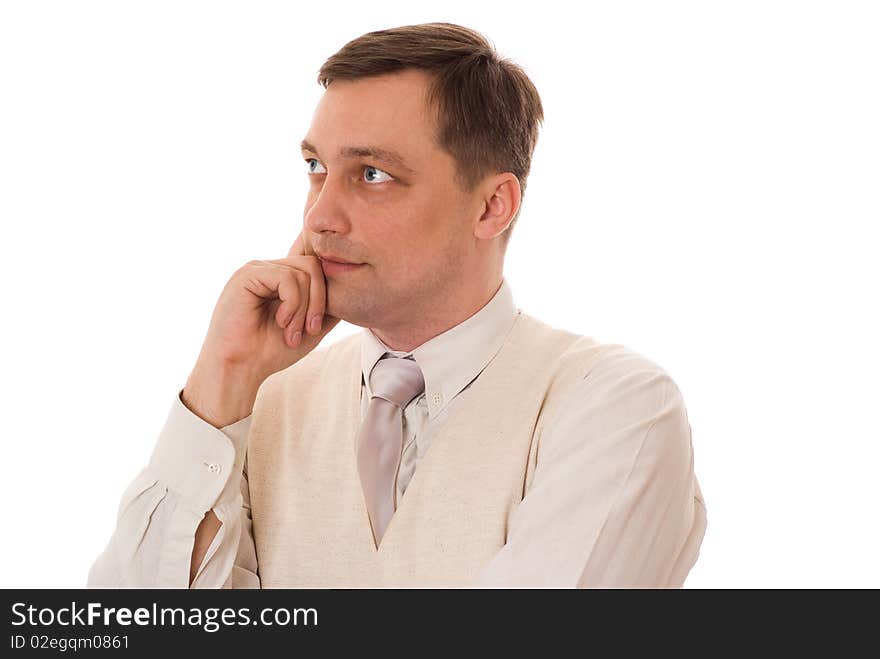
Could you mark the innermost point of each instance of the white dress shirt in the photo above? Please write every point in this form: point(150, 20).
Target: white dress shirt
point(614, 500)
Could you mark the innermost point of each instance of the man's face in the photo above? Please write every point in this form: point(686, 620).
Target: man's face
point(408, 223)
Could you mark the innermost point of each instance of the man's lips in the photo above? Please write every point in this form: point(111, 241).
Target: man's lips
point(333, 268)
point(335, 259)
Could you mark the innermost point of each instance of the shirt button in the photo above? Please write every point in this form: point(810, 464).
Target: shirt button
point(214, 468)
point(437, 399)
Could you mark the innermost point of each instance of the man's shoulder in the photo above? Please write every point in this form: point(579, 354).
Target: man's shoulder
point(625, 378)
point(532, 331)
point(596, 363)
point(573, 350)
point(615, 357)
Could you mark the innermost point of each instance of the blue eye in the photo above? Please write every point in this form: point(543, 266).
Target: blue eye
point(311, 170)
point(376, 169)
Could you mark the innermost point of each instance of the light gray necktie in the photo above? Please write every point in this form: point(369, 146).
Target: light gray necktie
point(394, 382)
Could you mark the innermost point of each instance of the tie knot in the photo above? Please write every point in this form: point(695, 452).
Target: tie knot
point(396, 380)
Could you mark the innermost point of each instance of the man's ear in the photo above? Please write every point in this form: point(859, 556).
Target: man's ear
point(502, 196)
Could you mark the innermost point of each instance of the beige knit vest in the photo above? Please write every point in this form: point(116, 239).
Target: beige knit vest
point(310, 523)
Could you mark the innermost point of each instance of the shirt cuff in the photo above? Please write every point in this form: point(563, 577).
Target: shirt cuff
point(198, 460)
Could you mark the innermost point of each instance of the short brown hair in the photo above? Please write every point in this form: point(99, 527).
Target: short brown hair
point(488, 109)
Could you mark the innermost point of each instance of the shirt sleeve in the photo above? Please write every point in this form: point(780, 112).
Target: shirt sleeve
point(614, 501)
point(194, 467)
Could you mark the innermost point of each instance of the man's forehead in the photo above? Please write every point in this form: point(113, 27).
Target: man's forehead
point(380, 117)
point(379, 105)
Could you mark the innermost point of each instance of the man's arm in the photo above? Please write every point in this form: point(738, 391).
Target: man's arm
point(614, 500)
point(194, 468)
point(178, 521)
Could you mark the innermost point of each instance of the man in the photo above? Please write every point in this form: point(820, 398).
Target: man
point(456, 441)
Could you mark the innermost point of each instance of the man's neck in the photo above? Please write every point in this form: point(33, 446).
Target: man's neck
point(406, 339)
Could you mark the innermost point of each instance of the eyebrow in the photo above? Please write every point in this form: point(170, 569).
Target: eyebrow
point(377, 152)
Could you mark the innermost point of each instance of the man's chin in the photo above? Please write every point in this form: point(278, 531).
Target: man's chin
point(362, 305)
point(355, 314)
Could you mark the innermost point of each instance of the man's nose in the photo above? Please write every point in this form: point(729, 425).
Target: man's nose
point(326, 208)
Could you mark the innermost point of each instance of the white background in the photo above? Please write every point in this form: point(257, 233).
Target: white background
point(704, 191)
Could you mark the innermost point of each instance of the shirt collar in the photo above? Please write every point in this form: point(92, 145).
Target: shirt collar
point(451, 360)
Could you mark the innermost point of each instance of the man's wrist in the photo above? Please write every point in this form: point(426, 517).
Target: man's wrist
point(220, 395)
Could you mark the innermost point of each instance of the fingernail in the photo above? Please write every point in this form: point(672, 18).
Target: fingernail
point(296, 336)
point(315, 323)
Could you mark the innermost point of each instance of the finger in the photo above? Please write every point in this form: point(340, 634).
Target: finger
point(294, 331)
point(291, 285)
point(285, 289)
point(317, 293)
point(284, 314)
point(294, 291)
point(260, 278)
point(317, 302)
point(301, 246)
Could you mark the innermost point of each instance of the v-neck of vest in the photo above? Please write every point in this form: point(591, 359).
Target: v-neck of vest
point(464, 401)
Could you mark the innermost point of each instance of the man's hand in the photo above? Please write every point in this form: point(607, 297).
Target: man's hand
point(270, 315)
